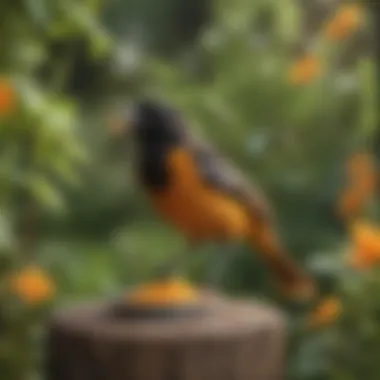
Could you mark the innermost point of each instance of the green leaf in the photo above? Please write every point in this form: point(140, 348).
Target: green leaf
point(100, 43)
point(31, 95)
point(47, 195)
point(38, 10)
point(367, 77)
point(6, 233)
point(59, 119)
point(59, 29)
point(77, 151)
point(288, 21)
point(64, 168)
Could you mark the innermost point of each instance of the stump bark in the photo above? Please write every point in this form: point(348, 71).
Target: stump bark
point(230, 340)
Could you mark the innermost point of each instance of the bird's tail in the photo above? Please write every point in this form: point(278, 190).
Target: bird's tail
point(292, 281)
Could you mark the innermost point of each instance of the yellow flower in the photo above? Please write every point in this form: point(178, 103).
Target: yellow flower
point(32, 285)
point(365, 245)
point(7, 98)
point(325, 313)
point(346, 20)
point(304, 70)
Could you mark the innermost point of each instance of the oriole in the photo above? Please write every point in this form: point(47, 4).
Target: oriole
point(201, 194)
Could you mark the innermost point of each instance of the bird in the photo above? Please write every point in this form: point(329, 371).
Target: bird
point(204, 196)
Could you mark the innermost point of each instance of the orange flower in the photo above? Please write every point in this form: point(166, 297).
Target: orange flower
point(360, 261)
point(350, 204)
point(362, 179)
point(346, 20)
point(360, 163)
point(7, 98)
point(32, 285)
point(354, 199)
point(325, 313)
point(366, 245)
point(304, 70)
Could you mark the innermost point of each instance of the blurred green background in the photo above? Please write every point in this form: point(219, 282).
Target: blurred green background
point(68, 202)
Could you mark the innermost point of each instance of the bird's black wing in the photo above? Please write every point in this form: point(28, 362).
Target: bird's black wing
point(224, 176)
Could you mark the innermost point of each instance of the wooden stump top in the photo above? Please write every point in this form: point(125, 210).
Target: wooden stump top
point(221, 319)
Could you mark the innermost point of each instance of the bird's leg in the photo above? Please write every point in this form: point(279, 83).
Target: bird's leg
point(219, 266)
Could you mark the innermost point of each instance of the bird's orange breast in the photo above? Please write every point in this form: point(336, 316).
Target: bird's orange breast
point(197, 210)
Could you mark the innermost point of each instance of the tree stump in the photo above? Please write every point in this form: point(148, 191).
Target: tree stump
point(226, 340)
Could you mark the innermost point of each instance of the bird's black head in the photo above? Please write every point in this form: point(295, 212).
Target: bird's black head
point(156, 124)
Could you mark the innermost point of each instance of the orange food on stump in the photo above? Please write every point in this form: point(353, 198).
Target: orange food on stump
point(346, 20)
point(304, 70)
point(166, 293)
point(32, 286)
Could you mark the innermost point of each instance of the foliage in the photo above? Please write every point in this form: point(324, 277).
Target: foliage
point(40, 152)
point(349, 317)
point(286, 110)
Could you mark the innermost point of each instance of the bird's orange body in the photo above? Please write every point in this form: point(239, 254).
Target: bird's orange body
point(200, 212)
